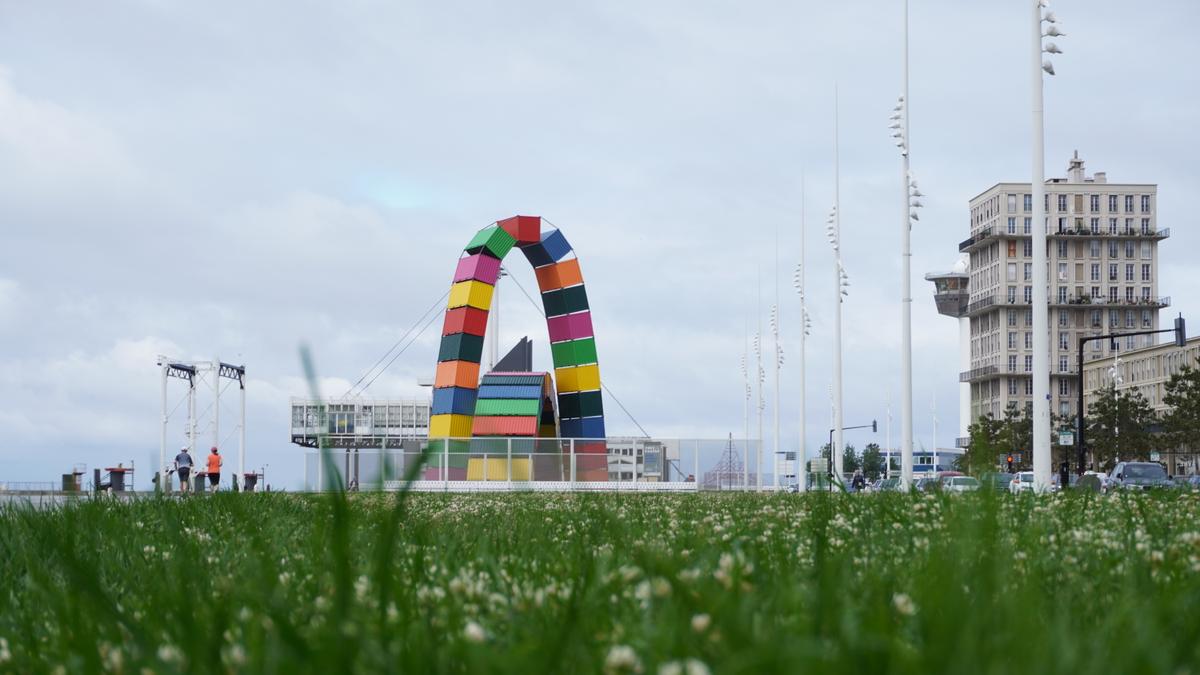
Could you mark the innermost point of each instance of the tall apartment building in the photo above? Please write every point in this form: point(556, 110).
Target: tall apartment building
point(1102, 241)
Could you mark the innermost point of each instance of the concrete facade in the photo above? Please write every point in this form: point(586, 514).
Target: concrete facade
point(1102, 241)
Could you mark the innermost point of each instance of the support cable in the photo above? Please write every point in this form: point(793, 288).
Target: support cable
point(394, 346)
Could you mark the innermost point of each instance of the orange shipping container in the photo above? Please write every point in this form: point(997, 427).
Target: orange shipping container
point(457, 374)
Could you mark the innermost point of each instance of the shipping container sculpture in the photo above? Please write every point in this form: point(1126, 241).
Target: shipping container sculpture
point(457, 401)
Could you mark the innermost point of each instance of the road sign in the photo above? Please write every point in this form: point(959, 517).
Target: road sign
point(1066, 438)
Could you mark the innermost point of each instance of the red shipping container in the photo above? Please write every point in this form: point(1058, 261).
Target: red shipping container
point(480, 267)
point(504, 426)
point(525, 229)
point(465, 320)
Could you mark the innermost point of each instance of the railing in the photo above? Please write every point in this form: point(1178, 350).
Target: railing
point(503, 464)
point(982, 235)
point(978, 373)
point(1124, 234)
point(985, 372)
point(981, 303)
point(28, 486)
point(1083, 300)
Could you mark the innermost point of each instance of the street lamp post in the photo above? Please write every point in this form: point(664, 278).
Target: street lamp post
point(798, 282)
point(874, 429)
point(841, 290)
point(1041, 309)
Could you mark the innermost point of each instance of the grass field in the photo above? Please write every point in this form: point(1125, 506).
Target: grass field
point(564, 583)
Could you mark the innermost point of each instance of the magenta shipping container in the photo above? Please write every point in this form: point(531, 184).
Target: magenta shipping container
point(481, 267)
point(570, 326)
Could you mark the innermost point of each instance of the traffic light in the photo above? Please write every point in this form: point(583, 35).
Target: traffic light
point(1180, 332)
point(1010, 463)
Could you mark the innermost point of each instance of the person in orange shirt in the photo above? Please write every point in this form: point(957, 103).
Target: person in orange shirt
point(214, 469)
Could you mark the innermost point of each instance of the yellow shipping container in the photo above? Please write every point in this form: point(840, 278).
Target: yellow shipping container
point(578, 378)
point(450, 426)
point(470, 294)
point(497, 468)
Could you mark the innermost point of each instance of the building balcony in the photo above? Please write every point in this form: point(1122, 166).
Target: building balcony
point(989, 234)
point(988, 372)
point(991, 302)
point(962, 442)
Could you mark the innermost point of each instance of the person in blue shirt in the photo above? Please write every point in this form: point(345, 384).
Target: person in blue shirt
point(183, 464)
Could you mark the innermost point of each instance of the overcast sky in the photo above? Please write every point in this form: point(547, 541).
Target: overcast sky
point(234, 179)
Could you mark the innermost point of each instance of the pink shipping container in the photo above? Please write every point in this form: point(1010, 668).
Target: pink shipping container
point(481, 267)
point(570, 326)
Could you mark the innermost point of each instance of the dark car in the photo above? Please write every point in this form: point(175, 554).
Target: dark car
point(997, 482)
point(1139, 476)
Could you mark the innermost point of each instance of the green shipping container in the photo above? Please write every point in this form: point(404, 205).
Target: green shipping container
point(580, 404)
point(507, 406)
point(574, 352)
point(565, 301)
point(461, 347)
point(494, 240)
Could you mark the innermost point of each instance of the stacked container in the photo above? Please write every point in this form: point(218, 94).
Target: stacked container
point(459, 410)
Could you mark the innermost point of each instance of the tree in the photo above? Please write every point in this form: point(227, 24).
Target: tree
point(986, 444)
point(1182, 422)
point(850, 461)
point(872, 461)
point(1118, 426)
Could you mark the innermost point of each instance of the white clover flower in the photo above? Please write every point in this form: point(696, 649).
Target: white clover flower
point(701, 622)
point(473, 632)
point(170, 654)
point(904, 604)
point(622, 659)
point(5, 655)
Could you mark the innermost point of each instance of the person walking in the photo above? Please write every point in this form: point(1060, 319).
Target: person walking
point(214, 469)
point(183, 466)
point(859, 482)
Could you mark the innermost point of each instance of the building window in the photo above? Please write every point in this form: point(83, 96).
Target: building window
point(1064, 341)
point(1028, 363)
point(1113, 249)
point(1112, 294)
point(1145, 273)
point(1094, 248)
point(1028, 294)
point(1046, 202)
point(1094, 203)
point(1064, 365)
point(1012, 271)
point(1062, 203)
point(1146, 319)
point(1012, 317)
point(1027, 248)
point(1028, 200)
point(1129, 299)
point(1062, 300)
point(1095, 271)
point(1145, 292)
point(1129, 226)
point(1029, 387)
point(1112, 225)
point(1012, 386)
point(1112, 203)
point(1145, 250)
point(1129, 272)
point(1145, 203)
point(1012, 363)
point(1128, 203)
point(1114, 318)
point(1028, 225)
point(1095, 292)
point(1064, 317)
point(1095, 225)
point(1130, 320)
point(1145, 226)
point(1028, 340)
point(1064, 387)
point(1129, 341)
point(1012, 295)
point(1130, 250)
point(1012, 225)
point(1029, 317)
point(1062, 248)
point(1012, 340)
point(1028, 271)
point(1012, 203)
point(1112, 272)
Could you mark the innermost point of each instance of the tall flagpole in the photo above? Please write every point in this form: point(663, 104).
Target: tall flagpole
point(776, 316)
point(802, 451)
point(835, 453)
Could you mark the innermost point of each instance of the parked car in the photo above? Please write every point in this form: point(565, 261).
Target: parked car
point(960, 484)
point(1139, 476)
point(1021, 481)
point(997, 481)
point(1054, 482)
point(1188, 482)
point(889, 485)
